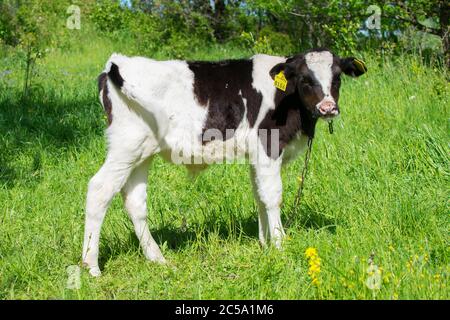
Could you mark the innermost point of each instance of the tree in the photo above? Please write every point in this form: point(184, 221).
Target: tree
point(28, 25)
point(415, 13)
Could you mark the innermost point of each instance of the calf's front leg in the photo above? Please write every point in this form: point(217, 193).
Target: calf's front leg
point(267, 186)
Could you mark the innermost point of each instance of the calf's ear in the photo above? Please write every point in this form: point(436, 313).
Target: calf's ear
point(287, 68)
point(283, 75)
point(353, 67)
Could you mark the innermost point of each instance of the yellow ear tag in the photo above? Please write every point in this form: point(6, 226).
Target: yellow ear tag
point(280, 81)
point(360, 65)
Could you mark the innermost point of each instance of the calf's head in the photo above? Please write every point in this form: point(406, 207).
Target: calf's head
point(316, 77)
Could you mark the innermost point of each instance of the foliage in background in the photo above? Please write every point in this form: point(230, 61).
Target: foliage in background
point(275, 27)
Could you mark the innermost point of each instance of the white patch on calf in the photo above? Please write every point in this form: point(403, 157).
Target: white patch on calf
point(263, 83)
point(165, 89)
point(320, 64)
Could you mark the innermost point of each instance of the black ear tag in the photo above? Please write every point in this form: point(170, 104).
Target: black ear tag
point(360, 65)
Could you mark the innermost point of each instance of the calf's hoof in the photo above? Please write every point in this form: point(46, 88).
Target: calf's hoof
point(157, 258)
point(93, 270)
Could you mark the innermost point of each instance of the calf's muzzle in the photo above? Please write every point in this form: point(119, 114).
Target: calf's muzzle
point(328, 109)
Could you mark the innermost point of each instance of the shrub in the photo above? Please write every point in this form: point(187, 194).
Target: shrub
point(109, 16)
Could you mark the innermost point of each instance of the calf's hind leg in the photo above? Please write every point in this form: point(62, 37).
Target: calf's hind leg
point(102, 187)
point(134, 194)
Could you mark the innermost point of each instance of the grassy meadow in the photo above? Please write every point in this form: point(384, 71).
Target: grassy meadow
point(375, 203)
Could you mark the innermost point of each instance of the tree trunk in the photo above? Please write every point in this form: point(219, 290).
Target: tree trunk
point(27, 73)
point(219, 13)
point(444, 15)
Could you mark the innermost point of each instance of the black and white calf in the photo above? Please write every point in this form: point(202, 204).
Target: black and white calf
point(189, 111)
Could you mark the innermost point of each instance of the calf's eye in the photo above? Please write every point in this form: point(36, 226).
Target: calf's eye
point(308, 83)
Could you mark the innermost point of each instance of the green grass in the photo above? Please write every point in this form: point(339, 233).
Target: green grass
point(377, 188)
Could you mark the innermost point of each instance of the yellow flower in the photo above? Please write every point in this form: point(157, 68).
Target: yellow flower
point(311, 252)
point(351, 286)
point(314, 265)
point(409, 265)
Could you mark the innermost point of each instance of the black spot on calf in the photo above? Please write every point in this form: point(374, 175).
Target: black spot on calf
point(115, 76)
point(222, 87)
point(289, 117)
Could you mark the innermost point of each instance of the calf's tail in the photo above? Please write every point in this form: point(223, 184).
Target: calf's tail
point(116, 73)
point(118, 69)
point(104, 95)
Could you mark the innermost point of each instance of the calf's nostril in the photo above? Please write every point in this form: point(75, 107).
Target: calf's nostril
point(327, 107)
